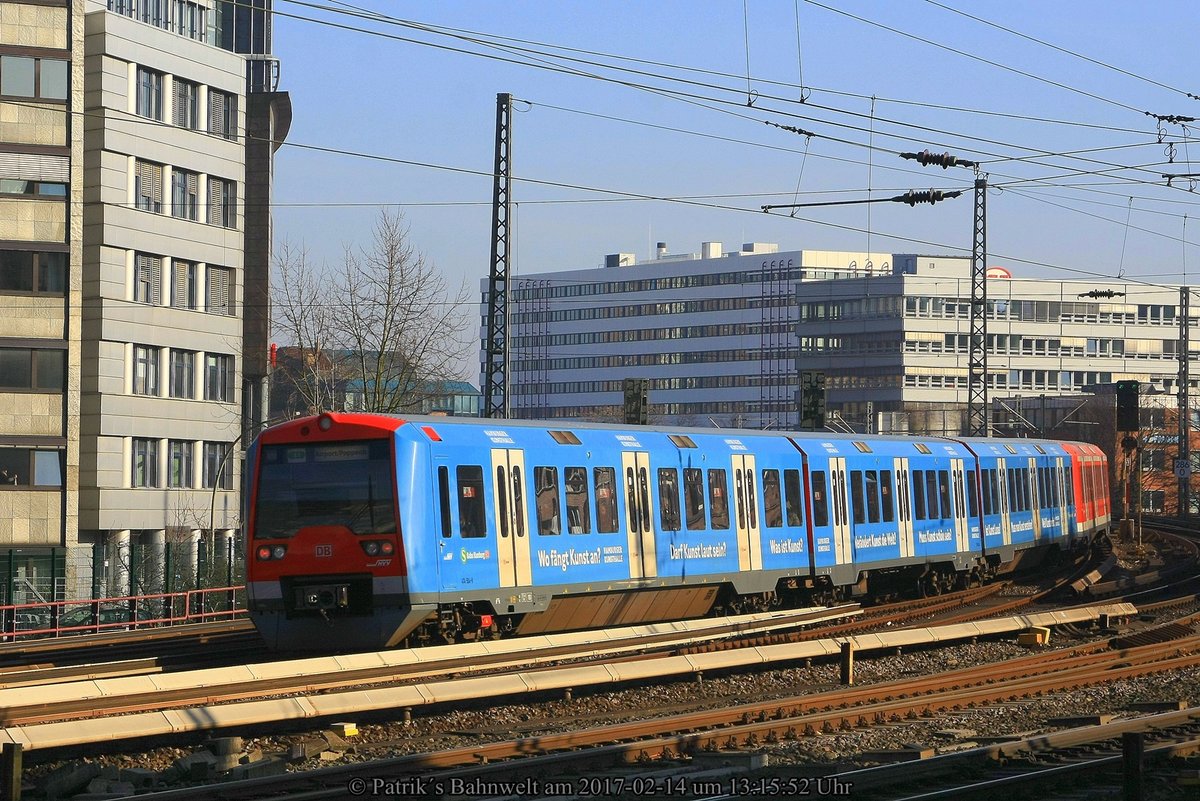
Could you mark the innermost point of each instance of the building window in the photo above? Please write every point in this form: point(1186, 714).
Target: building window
point(222, 114)
point(24, 76)
point(191, 20)
point(144, 472)
point(183, 284)
point(145, 369)
point(220, 298)
point(186, 104)
point(215, 462)
point(31, 467)
point(31, 369)
point(179, 470)
point(222, 202)
point(147, 279)
point(16, 186)
point(149, 93)
point(147, 186)
point(218, 377)
point(185, 195)
point(183, 369)
point(33, 271)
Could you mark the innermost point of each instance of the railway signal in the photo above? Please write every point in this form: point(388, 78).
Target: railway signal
point(1127, 406)
point(637, 401)
point(812, 400)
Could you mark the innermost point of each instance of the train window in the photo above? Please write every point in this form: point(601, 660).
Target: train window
point(444, 499)
point(681, 441)
point(644, 490)
point(1014, 498)
point(918, 486)
point(794, 497)
point(668, 498)
point(985, 491)
point(631, 499)
point(545, 482)
point(944, 494)
point(471, 520)
point(579, 512)
point(959, 504)
point(931, 496)
point(1026, 481)
point(1043, 493)
point(820, 499)
point(518, 500)
point(1070, 485)
point(872, 484)
point(772, 499)
point(885, 495)
point(739, 498)
point(972, 494)
point(502, 498)
point(856, 497)
point(718, 498)
point(693, 497)
point(994, 481)
point(604, 479)
point(751, 499)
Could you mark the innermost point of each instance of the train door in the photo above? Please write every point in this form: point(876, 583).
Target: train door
point(745, 496)
point(1060, 497)
point(841, 521)
point(904, 524)
point(512, 519)
point(639, 514)
point(1003, 502)
point(962, 539)
point(1035, 499)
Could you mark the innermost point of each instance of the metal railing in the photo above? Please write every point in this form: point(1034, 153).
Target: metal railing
point(90, 616)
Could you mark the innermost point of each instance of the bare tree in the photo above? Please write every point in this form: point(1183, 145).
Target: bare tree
point(303, 314)
point(382, 328)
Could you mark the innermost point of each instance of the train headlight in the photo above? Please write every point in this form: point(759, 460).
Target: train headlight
point(372, 548)
point(324, 422)
point(386, 548)
point(266, 553)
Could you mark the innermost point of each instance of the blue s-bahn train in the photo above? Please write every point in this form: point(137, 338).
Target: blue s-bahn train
point(364, 531)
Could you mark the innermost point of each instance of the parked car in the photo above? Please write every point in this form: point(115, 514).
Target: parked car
point(83, 616)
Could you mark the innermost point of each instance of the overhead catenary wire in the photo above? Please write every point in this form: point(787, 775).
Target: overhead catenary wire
point(686, 97)
point(654, 197)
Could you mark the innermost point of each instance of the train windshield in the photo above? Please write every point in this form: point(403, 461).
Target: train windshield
point(326, 484)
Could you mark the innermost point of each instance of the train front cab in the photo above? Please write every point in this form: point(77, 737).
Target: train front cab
point(1091, 493)
point(325, 563)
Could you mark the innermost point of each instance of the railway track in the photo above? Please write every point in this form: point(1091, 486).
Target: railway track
point(951, 607)
point(675, 742)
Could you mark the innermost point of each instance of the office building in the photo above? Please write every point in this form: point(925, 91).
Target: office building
point(713, 332)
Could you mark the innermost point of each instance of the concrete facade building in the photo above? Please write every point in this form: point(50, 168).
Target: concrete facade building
point(123, 181)
point(41, 167)
point(163, 246)
point(714, 333)
point(895, 349)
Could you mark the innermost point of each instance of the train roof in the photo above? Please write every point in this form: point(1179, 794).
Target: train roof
point(455, 429)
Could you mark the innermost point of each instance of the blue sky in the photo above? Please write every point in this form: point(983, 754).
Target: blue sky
point(417, 97)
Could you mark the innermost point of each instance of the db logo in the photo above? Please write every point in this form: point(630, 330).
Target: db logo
point(323, 550)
